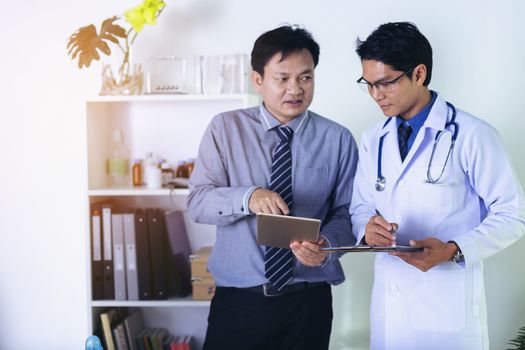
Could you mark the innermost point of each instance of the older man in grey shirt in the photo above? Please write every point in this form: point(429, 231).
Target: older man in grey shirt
point(275, 158)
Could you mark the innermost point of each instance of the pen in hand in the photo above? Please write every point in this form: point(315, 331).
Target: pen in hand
point(392, 231)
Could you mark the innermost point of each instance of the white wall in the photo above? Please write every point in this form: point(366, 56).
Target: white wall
point(478, 65)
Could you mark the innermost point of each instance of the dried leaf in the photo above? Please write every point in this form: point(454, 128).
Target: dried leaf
point(86, 41)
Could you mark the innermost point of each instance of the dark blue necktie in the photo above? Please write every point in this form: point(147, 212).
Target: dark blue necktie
point(279, 261)
point(403, 133)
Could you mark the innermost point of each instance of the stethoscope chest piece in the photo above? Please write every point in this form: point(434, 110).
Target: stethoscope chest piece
point(380, 183)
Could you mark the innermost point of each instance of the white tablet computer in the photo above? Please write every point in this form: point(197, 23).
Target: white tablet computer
point(281, 230)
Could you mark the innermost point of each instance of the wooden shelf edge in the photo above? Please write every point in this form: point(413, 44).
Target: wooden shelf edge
point(169, 98)
point(180, 302)
point(137, 192)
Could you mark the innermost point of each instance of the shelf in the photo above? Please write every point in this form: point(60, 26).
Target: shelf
point(138, 192)
point(170, 98)
point(175, 302)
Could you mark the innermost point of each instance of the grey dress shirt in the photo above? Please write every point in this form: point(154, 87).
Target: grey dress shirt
point(235, 157)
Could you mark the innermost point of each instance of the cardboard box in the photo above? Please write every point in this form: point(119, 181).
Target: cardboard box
point(203, 288)
point(199, 263)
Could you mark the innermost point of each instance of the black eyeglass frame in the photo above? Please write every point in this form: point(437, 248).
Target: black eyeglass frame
point(383, 85)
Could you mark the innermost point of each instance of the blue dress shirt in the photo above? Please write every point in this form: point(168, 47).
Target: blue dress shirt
point(235, 158)
point(417, 121)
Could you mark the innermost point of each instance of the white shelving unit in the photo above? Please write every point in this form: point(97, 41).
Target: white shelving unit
point(170, 126)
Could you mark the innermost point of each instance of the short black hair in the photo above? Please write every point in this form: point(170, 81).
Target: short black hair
point(285, 40)
point(398, 44)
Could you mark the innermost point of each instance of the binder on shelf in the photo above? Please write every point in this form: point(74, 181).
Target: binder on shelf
point(130, 256)
point(109, 287)
point(179, 271)
point(143, 255)
point(119, 262)
point(97, 265)
point(158, 247)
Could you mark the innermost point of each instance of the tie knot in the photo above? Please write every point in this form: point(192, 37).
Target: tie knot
point(404, 131)
point(285, 133)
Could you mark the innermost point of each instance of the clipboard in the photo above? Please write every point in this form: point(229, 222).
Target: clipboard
point(281, 230)
point(372, 249)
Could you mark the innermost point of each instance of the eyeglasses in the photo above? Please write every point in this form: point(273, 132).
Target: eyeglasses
point(382, 86)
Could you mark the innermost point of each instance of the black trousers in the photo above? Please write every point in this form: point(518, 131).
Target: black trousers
point(245, 320)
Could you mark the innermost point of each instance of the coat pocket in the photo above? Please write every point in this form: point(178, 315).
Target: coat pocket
point(437, 301)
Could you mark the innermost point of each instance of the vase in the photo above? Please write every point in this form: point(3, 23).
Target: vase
point(126, 80)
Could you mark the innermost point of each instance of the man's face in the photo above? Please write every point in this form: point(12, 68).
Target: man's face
point(399, 98)
point(287, 87)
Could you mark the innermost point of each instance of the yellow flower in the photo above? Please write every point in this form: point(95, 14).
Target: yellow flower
point(87, 43)
point(145, 13)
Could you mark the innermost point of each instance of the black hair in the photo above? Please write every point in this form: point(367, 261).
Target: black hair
point(400, 45)
point(285, 40)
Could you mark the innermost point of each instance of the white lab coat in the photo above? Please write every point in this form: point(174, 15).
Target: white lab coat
point(478, 203)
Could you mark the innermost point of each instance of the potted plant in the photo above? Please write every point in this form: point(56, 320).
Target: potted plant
point(86, 45)
point(519, 341)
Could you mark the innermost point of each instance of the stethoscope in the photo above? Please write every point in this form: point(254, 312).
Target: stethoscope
point(381, 181)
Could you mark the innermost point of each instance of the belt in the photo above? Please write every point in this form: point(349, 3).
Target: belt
point(268, 291)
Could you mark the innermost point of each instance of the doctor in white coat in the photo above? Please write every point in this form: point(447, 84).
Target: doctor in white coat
point(442, 181)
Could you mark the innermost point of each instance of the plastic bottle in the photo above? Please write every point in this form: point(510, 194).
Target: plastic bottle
point(118, 161)
point(153, 177)
point(136, 171)
point(149, 162)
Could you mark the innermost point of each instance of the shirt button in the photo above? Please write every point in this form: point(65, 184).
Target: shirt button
point(242, 208)
point(475, 311)
point(220, 213)
point(394, 288)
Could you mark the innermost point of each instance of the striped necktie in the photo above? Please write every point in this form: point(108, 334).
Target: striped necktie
point(403, 133)
point(279, 261)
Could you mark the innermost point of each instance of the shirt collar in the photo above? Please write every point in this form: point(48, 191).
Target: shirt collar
point(269, 121)
point(417, 121)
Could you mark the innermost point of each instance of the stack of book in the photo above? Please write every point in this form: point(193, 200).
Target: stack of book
point(126, 331)
point(139, 254)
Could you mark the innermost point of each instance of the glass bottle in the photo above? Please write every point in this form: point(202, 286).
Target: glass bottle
point(118, 161)
point(136, 171)
point(190, 164)
point(167, 173)
point(181, 170)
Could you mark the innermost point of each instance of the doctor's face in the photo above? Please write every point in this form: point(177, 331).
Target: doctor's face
point(396, 92)
point(287, 87)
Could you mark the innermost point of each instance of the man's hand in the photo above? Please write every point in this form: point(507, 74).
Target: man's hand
point(378, 231)
point(309, 253)
point(434, 252)
point(267, 202)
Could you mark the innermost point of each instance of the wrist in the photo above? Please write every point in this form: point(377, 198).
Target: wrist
point(457, 255)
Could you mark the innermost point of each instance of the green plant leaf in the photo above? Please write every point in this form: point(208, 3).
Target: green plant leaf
point(519, 341)
point(86, 42)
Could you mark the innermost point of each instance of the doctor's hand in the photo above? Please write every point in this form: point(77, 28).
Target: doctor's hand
point(308, 253)
point(434, 252)
point(267, 202)
point(378, 231)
